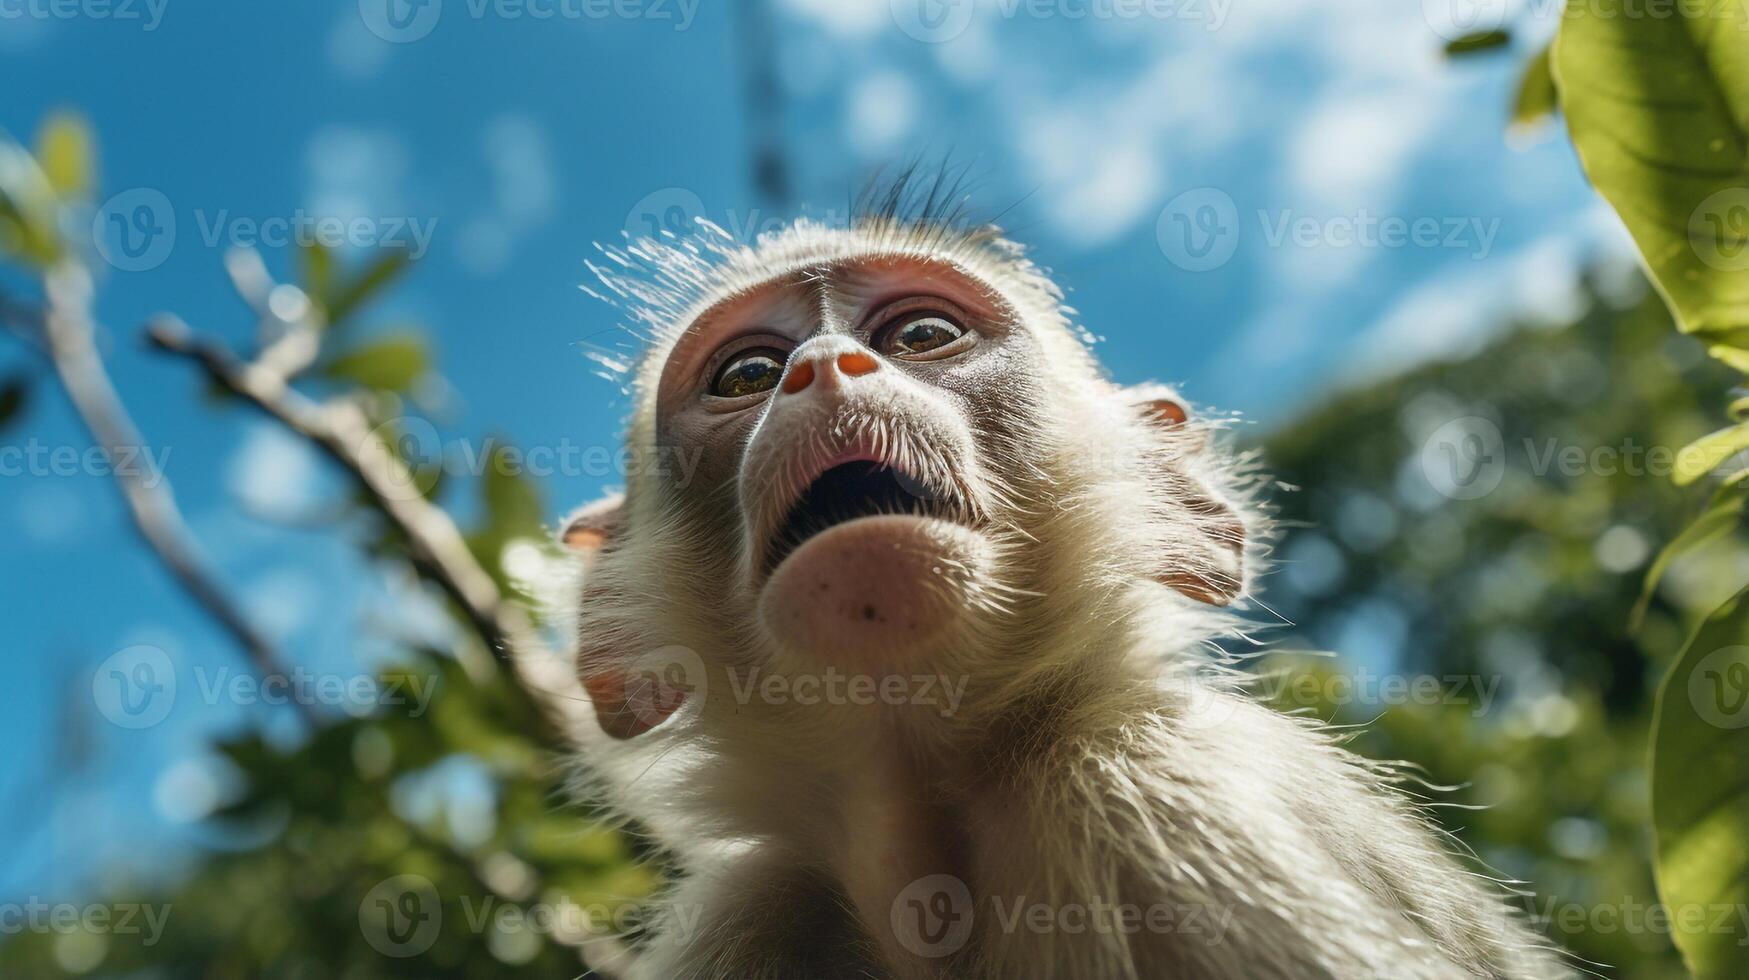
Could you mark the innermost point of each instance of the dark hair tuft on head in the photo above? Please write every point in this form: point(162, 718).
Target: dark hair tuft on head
point(931, 201)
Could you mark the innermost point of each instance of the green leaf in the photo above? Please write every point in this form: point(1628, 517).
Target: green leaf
point(1700, 794)
point(513, 505)
point(1709, 452)
point(317, 277)
point(66, 150)
point(1658, 108)
point(346, 299)
point(392, 363)
point(1723, 514)
point(1478, 41)
point(28, 207)
point(1536, 100)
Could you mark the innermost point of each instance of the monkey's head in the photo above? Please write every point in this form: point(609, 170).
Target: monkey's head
point(882, 450)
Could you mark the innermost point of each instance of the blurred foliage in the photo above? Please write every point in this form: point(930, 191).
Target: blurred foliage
point(1516, 602)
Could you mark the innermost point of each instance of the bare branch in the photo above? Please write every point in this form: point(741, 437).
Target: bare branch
point(69, 335)
point(290, 342)
point(343, 430)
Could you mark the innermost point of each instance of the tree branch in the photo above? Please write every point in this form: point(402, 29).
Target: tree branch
point(344, 432)
point(68, 335)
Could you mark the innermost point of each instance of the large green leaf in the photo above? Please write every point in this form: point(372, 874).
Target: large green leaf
point(1700, 795)
point(1658, 107)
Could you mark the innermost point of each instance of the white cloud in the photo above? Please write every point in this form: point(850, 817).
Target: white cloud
point(1459, 312)
point(882, 110)
point(273, 472)
point(284, 601)
point(524, 192)
point(845, 18)
point(356, 172)
point(521, 159)
point(353, 50)
point(1353, 148)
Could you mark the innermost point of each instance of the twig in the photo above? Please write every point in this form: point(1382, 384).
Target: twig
point(69, 337)
point(343, 431)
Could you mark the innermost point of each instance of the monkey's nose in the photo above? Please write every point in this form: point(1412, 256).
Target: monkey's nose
point(851, 364)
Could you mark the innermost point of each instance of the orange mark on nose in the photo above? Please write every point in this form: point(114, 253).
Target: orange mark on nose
point(857, 363)
point(800, 376)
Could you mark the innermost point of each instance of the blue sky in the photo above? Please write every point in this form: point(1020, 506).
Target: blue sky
point(1231, 194)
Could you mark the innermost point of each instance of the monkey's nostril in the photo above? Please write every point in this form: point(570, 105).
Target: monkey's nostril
point(856, 363)
point(799, 377)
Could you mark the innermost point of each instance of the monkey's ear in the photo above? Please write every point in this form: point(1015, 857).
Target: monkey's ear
point(628, 701)
point(1212, 568)
point(589, 527)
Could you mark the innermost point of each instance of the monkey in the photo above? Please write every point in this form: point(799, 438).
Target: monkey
point(918, 674)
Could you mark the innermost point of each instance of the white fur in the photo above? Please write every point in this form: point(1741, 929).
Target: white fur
point(1101, 753)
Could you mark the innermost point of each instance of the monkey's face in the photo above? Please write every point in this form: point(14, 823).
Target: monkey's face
point(897, 457)
point(860, 410)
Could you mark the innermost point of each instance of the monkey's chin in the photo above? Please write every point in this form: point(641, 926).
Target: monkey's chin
point(875, 591)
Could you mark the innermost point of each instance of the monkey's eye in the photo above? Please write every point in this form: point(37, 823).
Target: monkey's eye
point(750, 372)
point(918, 333)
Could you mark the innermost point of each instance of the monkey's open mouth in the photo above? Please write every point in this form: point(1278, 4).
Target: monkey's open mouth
point(846, 492)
